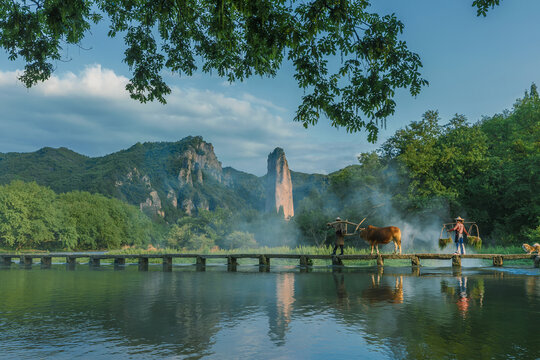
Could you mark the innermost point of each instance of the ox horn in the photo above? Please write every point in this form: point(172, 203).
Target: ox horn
point(358, 226)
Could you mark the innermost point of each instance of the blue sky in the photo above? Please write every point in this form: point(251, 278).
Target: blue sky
point(476, 66)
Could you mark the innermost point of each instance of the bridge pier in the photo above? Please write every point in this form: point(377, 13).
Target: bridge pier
point(94, 261)
point(26, 260)
point(232, 263)
point(264, 261)
point(46, 262)
point(415, 261)
point(305, 261)
point(537, 262)
point(167, 263)
point(119, 263)
point(380, 260)
point(456, 261)
point(336, 261)
point(70, 262)
point(498, 261)
point(143, 264)
point(201, 263)
point(5, 260)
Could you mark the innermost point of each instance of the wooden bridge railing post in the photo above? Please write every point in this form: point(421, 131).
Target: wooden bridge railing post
point(498, 261)
point(456, 261)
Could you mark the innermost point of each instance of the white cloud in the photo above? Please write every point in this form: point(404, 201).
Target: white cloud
point(92, 113)
point(93, 81)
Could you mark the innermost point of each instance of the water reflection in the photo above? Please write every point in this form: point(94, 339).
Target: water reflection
point(284, 307)
point(382, 292)
point(465, 297)
point(341, 290)
point(185, 313)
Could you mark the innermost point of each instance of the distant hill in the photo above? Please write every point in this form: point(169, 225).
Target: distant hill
point(165, 179)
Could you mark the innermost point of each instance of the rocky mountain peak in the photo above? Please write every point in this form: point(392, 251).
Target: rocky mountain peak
point(198, 158)
point(279, 185)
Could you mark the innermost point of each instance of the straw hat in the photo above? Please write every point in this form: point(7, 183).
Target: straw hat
point(459, 218)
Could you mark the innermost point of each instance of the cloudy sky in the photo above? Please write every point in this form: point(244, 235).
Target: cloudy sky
point(475, 66)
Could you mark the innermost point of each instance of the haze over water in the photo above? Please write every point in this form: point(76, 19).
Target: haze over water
point(476, 313)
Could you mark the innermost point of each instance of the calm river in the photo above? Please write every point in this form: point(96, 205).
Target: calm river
point(362, 313)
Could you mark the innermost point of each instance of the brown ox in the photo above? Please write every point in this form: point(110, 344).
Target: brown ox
point(374, 236)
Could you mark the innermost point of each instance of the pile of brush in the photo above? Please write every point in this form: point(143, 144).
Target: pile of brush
point(474, 241)
point(443, 242)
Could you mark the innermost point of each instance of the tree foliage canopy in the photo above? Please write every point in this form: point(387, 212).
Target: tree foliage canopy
point(33, 216)
point(349, 61)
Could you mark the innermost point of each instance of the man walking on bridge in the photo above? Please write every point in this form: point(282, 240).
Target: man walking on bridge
point(341, 231)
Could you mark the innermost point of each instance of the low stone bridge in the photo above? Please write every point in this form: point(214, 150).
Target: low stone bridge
point(305, 260)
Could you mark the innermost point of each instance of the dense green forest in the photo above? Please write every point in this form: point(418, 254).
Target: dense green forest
point(33, 216)
point(488, 172)
point(424, 175)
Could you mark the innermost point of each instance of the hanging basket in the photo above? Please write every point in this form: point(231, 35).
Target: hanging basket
point(474, 241)
point(443, 242)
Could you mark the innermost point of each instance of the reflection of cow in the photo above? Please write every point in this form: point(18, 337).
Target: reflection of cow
point(375, 236)
point(378, 292)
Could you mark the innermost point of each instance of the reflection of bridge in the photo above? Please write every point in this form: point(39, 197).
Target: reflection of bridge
point(264, 259)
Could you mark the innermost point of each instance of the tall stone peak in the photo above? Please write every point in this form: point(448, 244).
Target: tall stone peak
point(279, 191)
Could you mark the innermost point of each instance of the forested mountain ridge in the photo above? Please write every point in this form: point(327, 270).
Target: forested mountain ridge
point(165, 179)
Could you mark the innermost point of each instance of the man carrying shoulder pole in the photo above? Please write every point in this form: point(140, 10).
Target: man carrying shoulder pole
point(341, 231)
point(459, 229)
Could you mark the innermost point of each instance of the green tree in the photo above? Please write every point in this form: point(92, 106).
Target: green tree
point(415, 153)
point(103, 223)
point(311, 219)
point(505, 196)
point(192, 233)
point(236, 39)
point(28, 218)
point(239, 239)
